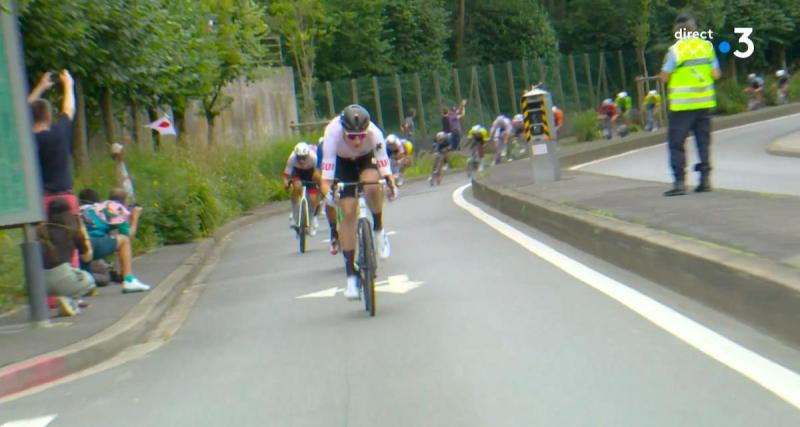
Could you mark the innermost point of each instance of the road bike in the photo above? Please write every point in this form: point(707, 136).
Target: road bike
point(439, 160)
point(366, 261)
point(474, 159)
point(302, 221)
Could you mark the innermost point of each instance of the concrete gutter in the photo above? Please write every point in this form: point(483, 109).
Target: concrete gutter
point(760, 292)
point(132, 328)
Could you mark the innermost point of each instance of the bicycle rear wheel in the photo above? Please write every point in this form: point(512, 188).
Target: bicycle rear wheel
point(369, 265)
point(303, 225)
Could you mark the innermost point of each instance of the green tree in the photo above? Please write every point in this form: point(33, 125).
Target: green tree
point(500, 31)
point(237, 42)
point(358, 45)
point(418, 32)
point(303, 24)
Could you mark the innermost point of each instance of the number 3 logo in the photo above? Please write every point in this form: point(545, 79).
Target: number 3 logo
point(744, 38)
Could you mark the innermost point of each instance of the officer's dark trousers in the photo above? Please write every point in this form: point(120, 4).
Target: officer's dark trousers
point(680, 124)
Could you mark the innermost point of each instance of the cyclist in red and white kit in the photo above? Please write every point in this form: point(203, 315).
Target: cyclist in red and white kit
point(354, 150)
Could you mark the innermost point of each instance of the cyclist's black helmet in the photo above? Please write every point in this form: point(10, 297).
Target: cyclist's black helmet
point(355, 118)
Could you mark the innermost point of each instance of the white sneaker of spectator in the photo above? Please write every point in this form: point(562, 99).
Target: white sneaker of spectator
point(134, 285)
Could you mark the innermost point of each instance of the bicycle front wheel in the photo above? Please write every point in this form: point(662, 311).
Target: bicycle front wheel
point(302, 226)
point(369, 265)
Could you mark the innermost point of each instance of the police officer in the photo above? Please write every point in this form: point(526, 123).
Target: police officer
point(689, 70)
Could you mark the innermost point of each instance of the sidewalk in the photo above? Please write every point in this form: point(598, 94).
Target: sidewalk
point(788, 146)
point(736, 251)
point(20, 341)
point(30, 357)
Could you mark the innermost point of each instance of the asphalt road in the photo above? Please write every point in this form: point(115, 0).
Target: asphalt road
point(738, 156)
point(492, 336)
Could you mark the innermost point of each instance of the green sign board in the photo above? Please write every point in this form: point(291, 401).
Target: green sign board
point(20, 192)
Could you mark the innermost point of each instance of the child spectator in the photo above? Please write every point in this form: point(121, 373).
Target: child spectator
point(112, 227)
point(61, 235)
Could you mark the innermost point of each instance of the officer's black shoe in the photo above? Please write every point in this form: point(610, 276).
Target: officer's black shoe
point(705, 185)
point(678, 189)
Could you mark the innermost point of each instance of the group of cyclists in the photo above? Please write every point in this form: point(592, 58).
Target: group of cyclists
point(505, 133)
point(755, 89)
point(614, 115)
point(352, 150)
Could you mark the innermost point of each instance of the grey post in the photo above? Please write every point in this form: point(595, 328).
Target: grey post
point(574, 77)
point(525, 79)
point(420, 106)
point(540, 129)
point(511, 90)
point(354, 90)
point(456, 85)
point(589, 79)
point(438, 89)
point(398, 93)
point(492, 82)
point(34, 273)
point(477, 88)
point(377, 94)
point(329, 93)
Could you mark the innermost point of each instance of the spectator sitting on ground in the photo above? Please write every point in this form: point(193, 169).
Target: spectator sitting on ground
point(111, 228)
point(54, 141)
point(61, 235)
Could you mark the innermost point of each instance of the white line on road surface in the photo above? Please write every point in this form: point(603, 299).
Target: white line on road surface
point(627, 153)
point(777, 379)
point(31, 422)
point(397, 284)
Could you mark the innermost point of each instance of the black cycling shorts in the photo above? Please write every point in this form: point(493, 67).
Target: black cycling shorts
point(303, 174)
point(349, 171)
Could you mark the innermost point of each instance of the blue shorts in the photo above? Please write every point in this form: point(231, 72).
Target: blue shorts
point(103, 246)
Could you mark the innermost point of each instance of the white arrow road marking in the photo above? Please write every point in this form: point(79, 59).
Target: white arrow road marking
point(391, 233)
point(327, 293)
point(773, 377)
point(397, 285)
point(31, 422)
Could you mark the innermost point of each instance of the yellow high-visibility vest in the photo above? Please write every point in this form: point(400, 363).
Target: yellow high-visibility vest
point(691, 85)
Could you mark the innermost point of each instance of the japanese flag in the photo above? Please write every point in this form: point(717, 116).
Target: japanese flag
point(163, 126)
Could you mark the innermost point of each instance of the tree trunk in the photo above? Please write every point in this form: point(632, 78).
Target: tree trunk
point(107, 109)
point(180, 125)
point(459, 48)
point(134, 112)
point(80, 148)
point(211, 133)
point(153, 113)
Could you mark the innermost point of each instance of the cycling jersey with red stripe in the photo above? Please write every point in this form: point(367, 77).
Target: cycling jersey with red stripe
point(335, 144)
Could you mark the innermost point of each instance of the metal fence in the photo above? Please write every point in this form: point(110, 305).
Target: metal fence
point(577, 83)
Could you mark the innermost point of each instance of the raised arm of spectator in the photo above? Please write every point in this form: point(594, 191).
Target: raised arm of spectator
point(461, 108)
point(44, 84)
point(68, 105)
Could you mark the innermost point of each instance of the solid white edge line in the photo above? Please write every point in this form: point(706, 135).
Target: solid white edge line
point(779, 380)
point(31, 422)
point(616, 156)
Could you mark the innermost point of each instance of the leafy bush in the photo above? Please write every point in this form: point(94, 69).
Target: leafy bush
point(584, 126)
point(11, 270)
point(794, 89)
point(731, 98)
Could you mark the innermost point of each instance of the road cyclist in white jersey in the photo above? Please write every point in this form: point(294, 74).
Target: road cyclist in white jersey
point(354, 150)
point(300, 170)
point(500, 133)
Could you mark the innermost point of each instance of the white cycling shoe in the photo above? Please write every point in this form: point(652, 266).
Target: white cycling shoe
point(314, 227)
point(382, 241)
point(351, 291)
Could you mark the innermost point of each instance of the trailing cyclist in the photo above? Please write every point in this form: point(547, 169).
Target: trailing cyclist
point(501, 133)
point(783, 77)
point(330, 210)
point(396, 148)
point(517, 142)
point(558, 116)
point(299, 172)
point(477, 137)
point(441, 146)
point(354, 151)
point(624, 103)
point(755, 90)
point(607, 117)
point(652, 111)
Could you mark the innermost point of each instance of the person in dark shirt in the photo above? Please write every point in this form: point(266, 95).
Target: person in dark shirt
point(54, 140)
point(61, 236)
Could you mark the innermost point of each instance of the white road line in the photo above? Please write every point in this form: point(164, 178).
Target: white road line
point(616, 156)
point(777, 379)
point(31, 422)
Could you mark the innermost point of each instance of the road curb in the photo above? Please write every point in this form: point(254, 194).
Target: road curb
point(754, 290)
point(787, 146)
point(585, 152)
point(132, 328)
